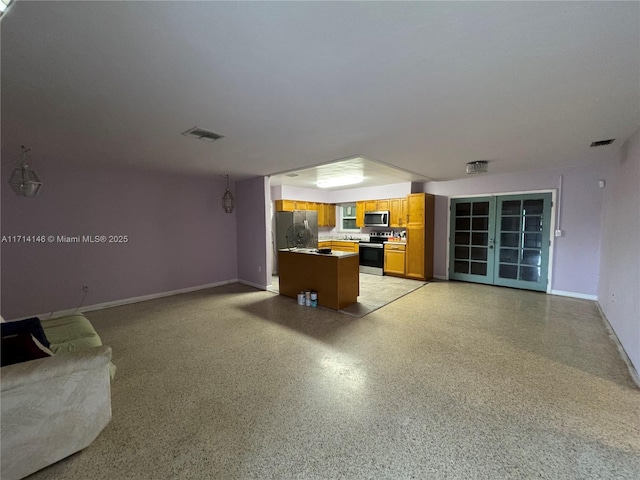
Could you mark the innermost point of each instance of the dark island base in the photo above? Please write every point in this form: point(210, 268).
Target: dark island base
point(335, 278)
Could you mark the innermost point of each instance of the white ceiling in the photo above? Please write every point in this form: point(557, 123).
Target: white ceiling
point(424, 86)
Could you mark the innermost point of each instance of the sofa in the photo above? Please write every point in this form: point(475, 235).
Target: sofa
point(56, 405)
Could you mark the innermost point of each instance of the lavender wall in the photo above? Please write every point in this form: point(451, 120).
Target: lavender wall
point(173, 222)
point(619, 289)
point(576, 254)
point(254, 237)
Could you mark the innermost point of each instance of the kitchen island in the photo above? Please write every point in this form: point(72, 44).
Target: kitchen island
point(335, 276)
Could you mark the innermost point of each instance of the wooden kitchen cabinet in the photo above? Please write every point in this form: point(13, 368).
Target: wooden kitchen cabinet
point(370, 205)
point(394, 259)
point(326, 211)
point(382, 204)
point(339, 246)
point(330, 214)
point(322, 215)
point(291, 205)
point(397, 212)
point(360, 209)
point(326, 214)
point(345, 246)
point(285, 205)
point(419, 230)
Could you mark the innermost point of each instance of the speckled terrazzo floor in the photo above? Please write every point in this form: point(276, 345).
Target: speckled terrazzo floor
point(375, 292)
point(453, 380)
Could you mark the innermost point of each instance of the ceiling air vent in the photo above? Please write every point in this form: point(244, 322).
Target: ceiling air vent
point(602, 143)
point(202, 134)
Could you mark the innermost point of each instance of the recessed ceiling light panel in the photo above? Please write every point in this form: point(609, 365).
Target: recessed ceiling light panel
point(340, 181)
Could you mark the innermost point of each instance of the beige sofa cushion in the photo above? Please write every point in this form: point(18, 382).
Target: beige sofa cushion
point(71, 333)
point(52, 408)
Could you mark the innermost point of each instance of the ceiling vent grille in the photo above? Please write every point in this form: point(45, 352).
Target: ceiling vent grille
point(202, 134)
point(602, 143)
point(479, 166)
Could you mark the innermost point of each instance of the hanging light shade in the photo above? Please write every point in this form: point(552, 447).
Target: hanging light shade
point(24, 180)
point(228, 202)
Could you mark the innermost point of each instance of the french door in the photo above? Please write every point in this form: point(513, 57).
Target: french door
point(501, 240)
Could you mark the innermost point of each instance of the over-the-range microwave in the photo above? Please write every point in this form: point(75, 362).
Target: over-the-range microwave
point(376, 219)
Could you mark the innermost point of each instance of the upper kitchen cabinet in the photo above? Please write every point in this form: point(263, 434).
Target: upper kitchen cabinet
point(322, 215)
point(326, 211)
point(360, 209)
point(326, 215)
point(370, 205)
point(419, 230)
point(291, 205)
point(285, 205)
point(330, 214)
point(376, 205)
point(382, 205)
point(398, 212)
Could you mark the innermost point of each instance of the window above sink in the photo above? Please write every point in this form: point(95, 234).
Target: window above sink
point(347, 220)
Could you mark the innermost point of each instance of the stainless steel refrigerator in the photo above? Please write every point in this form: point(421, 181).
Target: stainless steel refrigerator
point(297, 229)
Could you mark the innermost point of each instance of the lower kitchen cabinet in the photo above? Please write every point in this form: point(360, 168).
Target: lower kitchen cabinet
point(339, 246)
point(394, 259)
point(415, 265)
point(345, 246)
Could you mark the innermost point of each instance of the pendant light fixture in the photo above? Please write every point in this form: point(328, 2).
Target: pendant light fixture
point(228, 202)
point(24, 180)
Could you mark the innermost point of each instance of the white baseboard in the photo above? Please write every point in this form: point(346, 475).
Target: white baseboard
point(126, 301)
point(621, 350)
point(583, 296)
point(441, 277)
point(255, 285)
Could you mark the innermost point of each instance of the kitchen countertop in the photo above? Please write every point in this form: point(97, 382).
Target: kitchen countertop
point(396, 242)
point(313, 251)
point(354, 240)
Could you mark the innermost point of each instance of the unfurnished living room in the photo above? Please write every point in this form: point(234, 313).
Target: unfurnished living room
point(320, 240)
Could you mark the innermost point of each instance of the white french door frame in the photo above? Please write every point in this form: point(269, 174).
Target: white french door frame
point(552, 226)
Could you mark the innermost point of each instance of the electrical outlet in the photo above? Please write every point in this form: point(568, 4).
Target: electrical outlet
point(259, 268)
point(558, 233)
point(85, 288)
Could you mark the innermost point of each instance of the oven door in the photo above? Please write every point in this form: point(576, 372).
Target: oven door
point(372, 255)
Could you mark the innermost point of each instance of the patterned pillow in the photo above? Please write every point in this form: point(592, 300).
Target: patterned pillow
point(22, 347)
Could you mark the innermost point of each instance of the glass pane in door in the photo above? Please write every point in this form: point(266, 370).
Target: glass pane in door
point(523, 240)
point(472, 239)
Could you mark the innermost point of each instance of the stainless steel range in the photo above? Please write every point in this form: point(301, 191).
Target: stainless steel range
point(372, 253)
